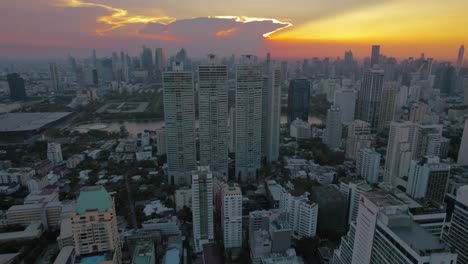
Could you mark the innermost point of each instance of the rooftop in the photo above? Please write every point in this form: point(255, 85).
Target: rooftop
point(143, 254)
point(383, 198)
point(417, 238)
point(16, 122)
point(93, 198)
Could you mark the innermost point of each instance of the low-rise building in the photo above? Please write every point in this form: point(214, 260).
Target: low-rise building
point(16, 175)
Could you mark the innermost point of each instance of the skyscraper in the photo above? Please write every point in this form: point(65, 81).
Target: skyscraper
point(333, 129)
point(202, 206)
point(457, 234)
point(232, 216)
point(388, 106)
point(213, 116)
point(370, 97)
point(346, 101)
point(16, 85)
point(94, 225)
point(179, 118)
point(463, 152)
point(428, 179)
point(385, 233)
point(249, 85)
point(368, 164)
point(375, 55)
point(402, 141)
point(147, 60)
point(461, 53)
point(271, 111)
point(159, 62)
point(54, 77)
point(359, 136)
point(298, 100)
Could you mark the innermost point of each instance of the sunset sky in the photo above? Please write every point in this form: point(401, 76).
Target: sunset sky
point(293, 28)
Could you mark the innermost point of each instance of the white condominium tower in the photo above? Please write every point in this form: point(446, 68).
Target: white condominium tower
point(463, 152)
point(202, 207)
point(232, 216)
point(384, 232)
point(401, 143)
point(213, 116)
point(333, 130)
point(54, 152)
point(457, 234)
point(179, 118)
point(248, 118)
point(271, 113)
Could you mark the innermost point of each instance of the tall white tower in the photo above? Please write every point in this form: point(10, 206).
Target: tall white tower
point(249, 86)
point(213, 116)
point(333, 129)
point(202, 207)
point(232, 216)
point(179, 118)
point(271, 113)
point(54, 152)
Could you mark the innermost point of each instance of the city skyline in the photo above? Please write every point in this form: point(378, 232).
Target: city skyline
point(322, 29)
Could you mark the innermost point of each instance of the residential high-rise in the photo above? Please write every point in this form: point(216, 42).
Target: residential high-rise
point(388, 106)
point(271, 111)
point(54, 152)
point(231, 213)
point(385, 233)
point(370, 97)
point(333, 130)
point(463, 152)
point(249, 85)
point(161, 141)
point(457, 234)
point(298, 100)
point(352, 191)
point(461, 53)
point(346, 101)
point(418, 112)
point(302, 212)
point(202, 207)
point(368, 164)
point(179, 118)
point(213, 116)
point(429, 138)
point(428, 178)
point(94, 226)
point(359, 136)
point(54, 77)
point(147, 60)
point(401, 144)
point(16, 85)
point(375, 57)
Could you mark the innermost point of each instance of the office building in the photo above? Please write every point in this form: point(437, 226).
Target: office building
point(370, 97)
point(457, 234)
point(368, 164)
point(428, 179)
point(333, 209)
point(94, 226)
point(179, 118)
point(359, 136)
point(375, 57)
point(463, 152)
point(298, 100)
point(302, 213)
point(54, 152)
point(346, 101)
point(213, 116)
point(401, 144)
point(271, 111)
point(146, 60)
point(183, 198)
point(461, 53)
point(161, 141)
point(202, 207)
point(385, 233)
point(231, 213)
point(300, 129)
point(159, 59)
point(387, 110)
point(353, 190)
point(249, 85)
point(428, 142)
point(54, 78)
point(17, 88)
point(333, 128)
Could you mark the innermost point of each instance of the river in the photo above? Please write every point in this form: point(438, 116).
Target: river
point(134, 127)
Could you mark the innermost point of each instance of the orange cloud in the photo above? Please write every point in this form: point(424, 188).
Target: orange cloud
point(118, 18)
point(227, 33)
point(244, 19)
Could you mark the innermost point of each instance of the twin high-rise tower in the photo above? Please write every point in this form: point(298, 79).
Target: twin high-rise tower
point(257, 119)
